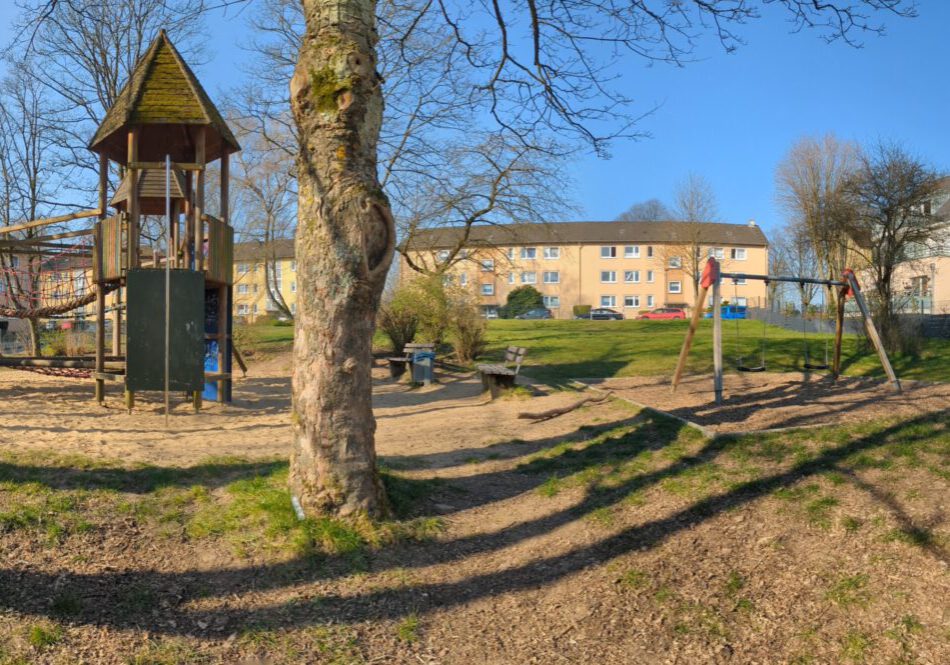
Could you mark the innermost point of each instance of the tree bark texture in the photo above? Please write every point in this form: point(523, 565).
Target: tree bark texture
point(344, 247)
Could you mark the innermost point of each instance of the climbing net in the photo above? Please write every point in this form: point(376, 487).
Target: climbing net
point(46, 279)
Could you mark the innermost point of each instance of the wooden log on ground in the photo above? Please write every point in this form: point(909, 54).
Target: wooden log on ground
point(560, 411)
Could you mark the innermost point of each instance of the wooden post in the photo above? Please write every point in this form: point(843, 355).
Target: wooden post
point(100, 390)
point(199, 207)
point(717, 339)
point(872, 330)
point(133, 239)
point(223, 305)
point(688, 342)
point(839, 331)
point(117, 322)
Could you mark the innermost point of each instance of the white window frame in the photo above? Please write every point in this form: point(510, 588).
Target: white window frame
point(608, 301)
point(529, 253)
point(649, 251)
point(488, 289)
point(487, 265)
point(634, 304)
point(554, 275)
point(675, 262)
point(463, 279)
point(442, 255)
point(650, 301)
point(717, 253)
point(552, 302)
point(242, 289)
point(742, 301)
point(740, 281)
point(678, 289)
point(243, 268)
point(552, 252)
point(511, 278)
point(631, 276)
point(243, 310)
point(608, 251)
point(511, 253)
point(611, 276)
point(738, 254)
point(525, 279)
point(651, 277)
point(293, 287)
point(293, 266)
point(631, 252)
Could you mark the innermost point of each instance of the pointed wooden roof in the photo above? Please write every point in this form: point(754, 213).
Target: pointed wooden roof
point(165, 99)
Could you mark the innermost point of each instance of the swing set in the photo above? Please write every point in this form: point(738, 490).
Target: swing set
point(848, 286)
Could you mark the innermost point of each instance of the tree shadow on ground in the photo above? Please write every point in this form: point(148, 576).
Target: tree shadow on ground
point(100, 595)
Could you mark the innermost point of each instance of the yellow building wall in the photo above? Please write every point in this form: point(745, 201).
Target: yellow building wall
point(250, 292)
point(641, 282)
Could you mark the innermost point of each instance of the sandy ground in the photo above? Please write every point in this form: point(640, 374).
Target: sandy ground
point(759, 401)
point(670, 566)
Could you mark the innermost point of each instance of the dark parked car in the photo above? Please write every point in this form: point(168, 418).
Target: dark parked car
point(664, 313)
point(603, 314)
point(539, 313)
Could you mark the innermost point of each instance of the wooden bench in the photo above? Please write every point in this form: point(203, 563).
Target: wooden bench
point(497, 378)
point(399, 364)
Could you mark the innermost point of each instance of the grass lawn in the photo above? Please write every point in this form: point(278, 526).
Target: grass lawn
point(561, 350)
point(263, 339)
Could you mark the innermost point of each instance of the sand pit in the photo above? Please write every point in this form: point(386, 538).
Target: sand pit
point(760, 401)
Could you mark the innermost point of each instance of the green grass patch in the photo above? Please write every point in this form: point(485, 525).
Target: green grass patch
point(41, 636)
point(850, 591)
point(408, 629)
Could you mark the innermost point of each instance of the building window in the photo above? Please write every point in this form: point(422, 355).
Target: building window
point(443, 254)
point(511, 253)
point(293, 266)
point(293, 308)
point(254, 289)
point(488, 265)
point(741, 302)
point(650, 251)
point(608, 301)
point(741, 281)
point(716, 252)
point(529, 278)
point(676, 262)
point(552, 302)
point(737, 253)
point(242, 289)
point(488, 289)
point(254, 309)
point(463, 279)
point(511, 278)
point(293, 287)
point(552, 252)
point(608, 252)
point(631, 301)
point(242, 310)
point(631, 276)
point(649, 301)
point(675, 287)
point(552, 277)
point(608, 276)
point(650, 276)
point(529, 252)
point(243, 268)
point(631, 252)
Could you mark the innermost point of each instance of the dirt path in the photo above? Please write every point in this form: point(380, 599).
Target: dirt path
point(606, 535)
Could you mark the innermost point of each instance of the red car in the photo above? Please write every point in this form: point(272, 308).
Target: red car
point(664, 313)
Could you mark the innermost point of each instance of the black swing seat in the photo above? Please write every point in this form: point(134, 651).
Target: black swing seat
point(757, 368)
point(815, 366)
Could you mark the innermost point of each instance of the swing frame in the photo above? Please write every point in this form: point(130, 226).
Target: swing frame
point(712, 279)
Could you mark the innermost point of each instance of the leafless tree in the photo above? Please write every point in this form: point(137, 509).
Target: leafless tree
point(889, 195)
point(695, 207)
point(793, 253)
point(651, 210)
point(810, 182)
point(28, 181)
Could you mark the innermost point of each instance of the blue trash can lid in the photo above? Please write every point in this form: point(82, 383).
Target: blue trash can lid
point(423, 355)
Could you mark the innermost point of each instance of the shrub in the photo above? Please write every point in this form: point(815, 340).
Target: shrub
point(582, 310)
point(468, 327)
point(523, 299)
point(398, 321)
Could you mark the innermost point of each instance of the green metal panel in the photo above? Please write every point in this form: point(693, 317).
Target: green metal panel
point(146, 330)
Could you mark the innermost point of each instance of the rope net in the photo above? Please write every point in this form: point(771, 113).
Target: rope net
point(47, 280)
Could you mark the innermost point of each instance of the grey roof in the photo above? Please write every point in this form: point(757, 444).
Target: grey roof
point(709, 233)
point(282, 248)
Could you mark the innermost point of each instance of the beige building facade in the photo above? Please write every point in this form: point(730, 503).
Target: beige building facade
point(630, 267)
point(255, 264)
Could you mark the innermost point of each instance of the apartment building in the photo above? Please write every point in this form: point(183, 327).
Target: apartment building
point(630, 267)
point(254, 265)
point(922, 282)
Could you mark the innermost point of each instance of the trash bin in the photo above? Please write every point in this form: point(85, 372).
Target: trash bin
point(422, 364)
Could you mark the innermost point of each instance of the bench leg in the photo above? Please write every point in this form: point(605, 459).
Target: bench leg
point(499, 383)
point(485, 383)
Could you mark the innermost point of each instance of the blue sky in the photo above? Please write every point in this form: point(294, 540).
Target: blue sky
point(731, 117)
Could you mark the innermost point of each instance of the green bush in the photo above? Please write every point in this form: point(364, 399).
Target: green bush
point(521, 300)
point(582, 310)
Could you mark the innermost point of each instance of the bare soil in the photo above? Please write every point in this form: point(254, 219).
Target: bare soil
point(762, 401)
point(554, 550)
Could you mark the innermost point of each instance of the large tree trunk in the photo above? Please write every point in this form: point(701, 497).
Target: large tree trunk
point(345, 240)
